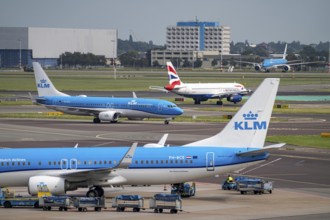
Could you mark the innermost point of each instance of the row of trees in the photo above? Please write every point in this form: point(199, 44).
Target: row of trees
point(138, 54)
point(81, 59)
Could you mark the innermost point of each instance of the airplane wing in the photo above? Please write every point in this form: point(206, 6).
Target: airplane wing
point(294, 64)
point(95, 174)
point(259, 151)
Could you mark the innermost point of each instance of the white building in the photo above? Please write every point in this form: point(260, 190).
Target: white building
point(192, 40)
point(47, 44)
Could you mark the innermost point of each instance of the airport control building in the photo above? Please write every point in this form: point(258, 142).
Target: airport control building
point(192, 40)
point(20, 45)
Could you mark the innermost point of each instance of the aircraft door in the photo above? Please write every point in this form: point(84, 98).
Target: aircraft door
point(210, 161)
point(64, 164)
point(73, 164)
point(160, 107)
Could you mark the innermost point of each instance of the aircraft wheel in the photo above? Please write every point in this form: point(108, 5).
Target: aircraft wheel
point(96, 120)
point(100, 191)
point(166, 122)
point(219, 102)
point(92, 193)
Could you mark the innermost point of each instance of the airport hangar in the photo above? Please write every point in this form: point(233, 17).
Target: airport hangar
point(19, 46)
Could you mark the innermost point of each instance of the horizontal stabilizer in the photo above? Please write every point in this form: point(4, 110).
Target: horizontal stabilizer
point(159, 88)
point(259, 151)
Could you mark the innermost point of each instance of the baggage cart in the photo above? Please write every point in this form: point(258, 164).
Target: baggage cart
point(122, 202)
point(160, 202)
point(63, 203)
point(255, 185)
point(82, 203)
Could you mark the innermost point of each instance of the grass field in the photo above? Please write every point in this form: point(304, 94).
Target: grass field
point(141, 80)
point(103, 80)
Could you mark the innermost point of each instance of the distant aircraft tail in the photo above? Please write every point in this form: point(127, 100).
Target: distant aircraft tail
point(284, 54)
point(249, 126)
point(173, 77)
point(44, 85)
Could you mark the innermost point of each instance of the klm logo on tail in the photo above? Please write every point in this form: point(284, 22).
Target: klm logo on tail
point(43, 84)
point(250, 123)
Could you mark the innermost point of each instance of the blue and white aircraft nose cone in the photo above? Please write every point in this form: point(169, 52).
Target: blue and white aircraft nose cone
point(179, 111)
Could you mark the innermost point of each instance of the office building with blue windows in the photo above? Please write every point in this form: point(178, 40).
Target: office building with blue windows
point(192, 40)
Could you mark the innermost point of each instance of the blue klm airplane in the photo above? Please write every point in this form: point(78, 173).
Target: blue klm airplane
point(102, 108)
point(280, 63)
point(239, 145)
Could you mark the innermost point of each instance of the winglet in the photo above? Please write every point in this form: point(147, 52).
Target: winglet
point(128, 157)
point(161, 142)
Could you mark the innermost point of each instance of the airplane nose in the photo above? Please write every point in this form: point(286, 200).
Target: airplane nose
point(180, 111)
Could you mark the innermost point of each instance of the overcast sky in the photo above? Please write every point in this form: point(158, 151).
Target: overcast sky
point(257, 21)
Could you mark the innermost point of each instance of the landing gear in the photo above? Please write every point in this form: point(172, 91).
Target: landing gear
point(166, 122)
point(96, 191)
point(219, 102)
point(197, 102)
point(96, 120)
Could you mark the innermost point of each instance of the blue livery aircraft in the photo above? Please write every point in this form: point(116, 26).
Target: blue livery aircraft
point(57, 170)
point(278, 63)
point(102, 108)
point(233, 92)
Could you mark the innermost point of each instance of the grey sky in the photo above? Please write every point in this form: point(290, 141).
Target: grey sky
point(254, 20)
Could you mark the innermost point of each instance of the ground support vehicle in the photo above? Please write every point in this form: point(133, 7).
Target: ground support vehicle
point(63, 203)
point(9, 200)
point(229, 185)
point(255, 185)
point(82, 203)
point(122, 202)
point(184, 189)
point(159, 202)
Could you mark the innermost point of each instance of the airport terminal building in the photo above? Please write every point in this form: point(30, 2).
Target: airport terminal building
point(192, 40)
point(20, 45)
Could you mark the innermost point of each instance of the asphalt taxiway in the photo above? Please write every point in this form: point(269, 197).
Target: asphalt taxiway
point(302, 183)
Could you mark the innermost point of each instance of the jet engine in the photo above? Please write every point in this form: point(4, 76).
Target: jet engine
point(257, 67)
point(109, 116)
point(54, 185)
point(286, 68)
point(234, 98)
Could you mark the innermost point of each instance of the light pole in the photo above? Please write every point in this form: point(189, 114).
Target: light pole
point(113, 60)
point(20, 54)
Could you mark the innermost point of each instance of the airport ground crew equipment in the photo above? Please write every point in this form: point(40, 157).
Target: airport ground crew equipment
point(159, 202)
point(82, 203)
point(255, 185)
point(9, 200)
point(122, 202)
point(229, 185)
point(63, 203)
point(184, 189)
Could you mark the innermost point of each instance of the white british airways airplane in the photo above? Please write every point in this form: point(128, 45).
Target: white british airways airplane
point(239, 145)
point(102, 108)
point(233, 92)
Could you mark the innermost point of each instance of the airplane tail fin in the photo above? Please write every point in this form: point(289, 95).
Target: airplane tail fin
point(284, 54)
point(249, 126)
point(44, 85)
point(173, 77)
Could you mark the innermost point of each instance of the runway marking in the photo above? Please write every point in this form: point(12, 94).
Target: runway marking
point(301, 157)
point(266, 164)
point(44, 132)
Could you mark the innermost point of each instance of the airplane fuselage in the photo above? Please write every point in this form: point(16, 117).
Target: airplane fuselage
point(126, 107)
point(205, 91)
point(149, 165)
